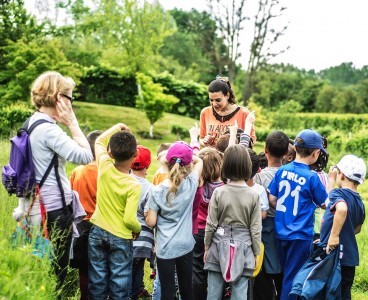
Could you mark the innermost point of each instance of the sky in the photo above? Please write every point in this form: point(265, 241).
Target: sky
point(321, 33)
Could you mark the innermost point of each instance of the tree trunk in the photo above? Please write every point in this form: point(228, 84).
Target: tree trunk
point(151, 131)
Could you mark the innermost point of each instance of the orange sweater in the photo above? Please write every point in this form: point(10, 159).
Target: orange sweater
point(84, 180)
point(210, 125)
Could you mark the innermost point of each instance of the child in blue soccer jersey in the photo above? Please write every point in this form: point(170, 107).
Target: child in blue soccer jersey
point(344, 216)
point(296, 191)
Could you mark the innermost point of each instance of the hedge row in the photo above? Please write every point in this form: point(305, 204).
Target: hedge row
point(330, 122)
point(338, 141)
point(104, 85)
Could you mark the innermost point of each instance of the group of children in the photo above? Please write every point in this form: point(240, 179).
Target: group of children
point(208, 212)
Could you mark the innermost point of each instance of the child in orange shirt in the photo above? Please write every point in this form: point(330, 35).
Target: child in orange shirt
point(84, 181)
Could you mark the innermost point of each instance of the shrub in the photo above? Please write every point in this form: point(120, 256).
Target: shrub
point(193, 96)
point(13, 116)
point(104, 85)
point(181, 132)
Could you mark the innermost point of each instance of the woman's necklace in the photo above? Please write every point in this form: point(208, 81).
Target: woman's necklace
point(223, 119)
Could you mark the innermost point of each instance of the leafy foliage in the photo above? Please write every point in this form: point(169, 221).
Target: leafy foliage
point(13, 116)
point(26, 61)
point(102, 84)
point(193, 96)
point(152, 99)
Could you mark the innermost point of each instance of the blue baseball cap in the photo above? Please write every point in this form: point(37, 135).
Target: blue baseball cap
point(309, 138)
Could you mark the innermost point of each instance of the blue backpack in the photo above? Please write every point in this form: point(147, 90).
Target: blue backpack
point(320, 276)
point(19, 176)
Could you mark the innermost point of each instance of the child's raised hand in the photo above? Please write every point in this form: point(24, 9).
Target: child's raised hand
point(332, 173)
point(234, 128)
point(194, 132)
point(123, 126)
point(251, 117)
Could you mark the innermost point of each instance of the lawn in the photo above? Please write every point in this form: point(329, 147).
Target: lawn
point(22, 277)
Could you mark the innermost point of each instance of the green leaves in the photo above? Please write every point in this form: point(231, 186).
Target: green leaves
point(152, 98)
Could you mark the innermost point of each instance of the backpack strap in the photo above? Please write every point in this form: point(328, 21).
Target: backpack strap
point(34, 124)
point(54, 162)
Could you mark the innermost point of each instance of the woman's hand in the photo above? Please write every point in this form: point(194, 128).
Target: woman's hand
point(208, 140)
point(65, 114)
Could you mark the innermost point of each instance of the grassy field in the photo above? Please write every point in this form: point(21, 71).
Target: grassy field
point(24, 277)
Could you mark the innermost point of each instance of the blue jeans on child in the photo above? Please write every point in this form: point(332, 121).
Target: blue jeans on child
point(156, 293)
point(216, 283)
point(110, 265)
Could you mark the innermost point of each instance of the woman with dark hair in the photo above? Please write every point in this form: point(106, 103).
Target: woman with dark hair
point(223, 112)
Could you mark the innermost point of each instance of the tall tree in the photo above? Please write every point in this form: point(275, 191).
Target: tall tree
point(153, 100)
point(15, 24)
point(27, 60)
point(344, 74)
point(202, 29)
point(131, 33)
point(263, 39)
point(230, 18)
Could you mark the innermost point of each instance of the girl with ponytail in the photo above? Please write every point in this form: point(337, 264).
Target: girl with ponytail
point(170, 210)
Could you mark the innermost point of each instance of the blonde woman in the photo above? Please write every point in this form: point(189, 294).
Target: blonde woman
point(52, 95)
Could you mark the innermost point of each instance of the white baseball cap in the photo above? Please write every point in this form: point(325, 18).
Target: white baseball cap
point(353, 167)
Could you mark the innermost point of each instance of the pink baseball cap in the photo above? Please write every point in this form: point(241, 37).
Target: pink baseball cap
point(179, 152)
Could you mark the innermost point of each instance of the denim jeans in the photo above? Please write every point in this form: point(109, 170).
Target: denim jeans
point(216, 284)
point(156, 293)
point(110, 265)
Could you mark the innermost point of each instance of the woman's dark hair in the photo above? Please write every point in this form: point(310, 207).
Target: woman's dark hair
point(223, 85)
point(236, 164)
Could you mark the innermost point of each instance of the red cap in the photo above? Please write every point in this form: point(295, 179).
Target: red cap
point(143, 158)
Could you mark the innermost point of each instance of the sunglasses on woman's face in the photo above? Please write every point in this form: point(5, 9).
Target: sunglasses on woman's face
point(71, 99)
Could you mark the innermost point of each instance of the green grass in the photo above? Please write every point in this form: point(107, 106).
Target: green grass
point(16, 267)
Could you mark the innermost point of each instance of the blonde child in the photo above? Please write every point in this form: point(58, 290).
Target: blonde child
point(170, 209)
point(233, 230)
point(162, 172)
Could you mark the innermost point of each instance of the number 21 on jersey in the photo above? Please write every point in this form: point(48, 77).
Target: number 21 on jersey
point(284, 184)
